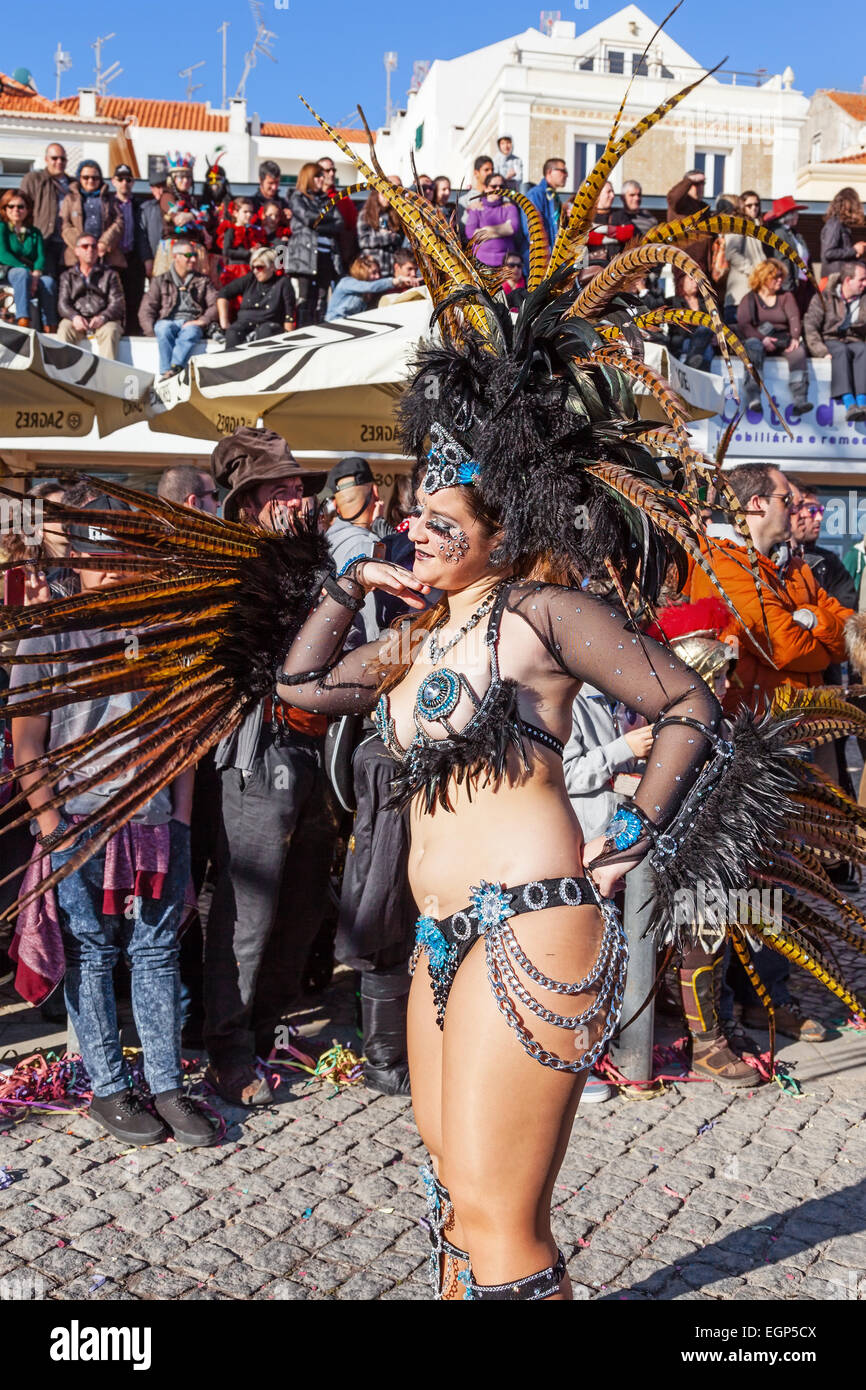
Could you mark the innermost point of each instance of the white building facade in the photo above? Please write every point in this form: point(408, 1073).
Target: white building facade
point(557, 95)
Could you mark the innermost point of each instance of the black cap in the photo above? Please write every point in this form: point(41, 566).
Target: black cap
point(123, 169)
point(349, 471)
point(95, 539)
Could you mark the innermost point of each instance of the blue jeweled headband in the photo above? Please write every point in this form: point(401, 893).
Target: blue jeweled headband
point(448, 463)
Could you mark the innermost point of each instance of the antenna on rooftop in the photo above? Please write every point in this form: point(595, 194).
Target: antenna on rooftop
point(62, 64)
point(221, 29)
point(260, 47)
point(187, 73)
point(104, 75)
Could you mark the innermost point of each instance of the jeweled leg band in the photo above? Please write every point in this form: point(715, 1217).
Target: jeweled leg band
point(527, 1290)
point(439, 1212)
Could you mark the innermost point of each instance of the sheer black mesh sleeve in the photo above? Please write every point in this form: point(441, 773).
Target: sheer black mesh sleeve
point(315, 677)
point(592, 639)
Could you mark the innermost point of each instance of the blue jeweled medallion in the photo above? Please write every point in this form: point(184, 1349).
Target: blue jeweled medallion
point(489, 905)
point(438, 694)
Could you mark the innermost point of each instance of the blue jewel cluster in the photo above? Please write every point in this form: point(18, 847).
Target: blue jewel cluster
point(625, 829)
point(490, 905)
point(438, 695)
point(441, 961)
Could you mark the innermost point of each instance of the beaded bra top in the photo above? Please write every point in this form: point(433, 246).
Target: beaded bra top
point(478, 751)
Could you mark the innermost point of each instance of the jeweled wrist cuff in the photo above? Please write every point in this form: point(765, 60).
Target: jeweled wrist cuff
point(624, 829)
point(333, 590)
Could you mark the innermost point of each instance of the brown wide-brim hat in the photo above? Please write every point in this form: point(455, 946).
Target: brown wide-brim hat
point(251, 456)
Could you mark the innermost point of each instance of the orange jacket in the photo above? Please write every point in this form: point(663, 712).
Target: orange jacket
point(800, 655)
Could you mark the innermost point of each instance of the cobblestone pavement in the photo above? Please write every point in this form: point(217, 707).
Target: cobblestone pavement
point(698, 1193)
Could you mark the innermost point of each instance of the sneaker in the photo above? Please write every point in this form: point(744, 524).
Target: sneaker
point(791, 1022)
point(388, 1081)
point(239, 1085)
point(186, 1120)
point(713, 1056)
point(595, 1091)
point(126, 1118)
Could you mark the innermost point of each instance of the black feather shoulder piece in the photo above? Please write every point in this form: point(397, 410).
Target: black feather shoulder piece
point(748, 850)
point(195, 634)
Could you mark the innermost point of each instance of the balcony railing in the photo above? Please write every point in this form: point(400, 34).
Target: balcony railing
point(622, 66)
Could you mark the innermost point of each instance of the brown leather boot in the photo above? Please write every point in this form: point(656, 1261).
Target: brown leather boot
point(712, 1055)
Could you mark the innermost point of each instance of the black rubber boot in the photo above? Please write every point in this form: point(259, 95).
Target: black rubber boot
point(799, 383)
point(384, 1000)
point(124, 1116)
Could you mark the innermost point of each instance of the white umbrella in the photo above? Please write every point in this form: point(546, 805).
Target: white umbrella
point(50, 388)
point(331, 387)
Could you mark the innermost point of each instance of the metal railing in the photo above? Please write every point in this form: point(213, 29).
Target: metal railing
point(656, 69)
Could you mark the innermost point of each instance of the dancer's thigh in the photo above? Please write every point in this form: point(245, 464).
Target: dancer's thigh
point(424, 1040)
point(506, 1119)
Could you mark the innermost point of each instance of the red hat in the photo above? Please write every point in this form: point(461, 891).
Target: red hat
point(783, 205)
point(705, 618)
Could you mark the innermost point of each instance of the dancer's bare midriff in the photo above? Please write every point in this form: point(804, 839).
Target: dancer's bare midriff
point(515, 831)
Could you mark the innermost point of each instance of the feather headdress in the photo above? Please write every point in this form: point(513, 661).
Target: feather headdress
point(540, 407)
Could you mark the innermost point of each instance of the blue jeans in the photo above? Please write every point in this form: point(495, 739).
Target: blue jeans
point(45, 296)
point(176, 342)
point(93, 941)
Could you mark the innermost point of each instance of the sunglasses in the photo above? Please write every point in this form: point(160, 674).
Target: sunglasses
point(813, 510)
point(123, 178)
point(16, 207)
point(87, 245)
point(186, 255)
point(89, 178)
point(786, 498)
point(57, 159)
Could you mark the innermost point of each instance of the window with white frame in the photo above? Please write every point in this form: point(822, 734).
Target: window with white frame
point(712, 165)
point(587, 152)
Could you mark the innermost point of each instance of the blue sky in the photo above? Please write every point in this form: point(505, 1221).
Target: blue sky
point(332, 50)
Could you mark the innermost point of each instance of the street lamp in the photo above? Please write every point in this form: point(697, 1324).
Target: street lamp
point(390, 61)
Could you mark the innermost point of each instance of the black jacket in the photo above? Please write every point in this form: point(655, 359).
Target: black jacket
point(831, 574)
point(270, 302)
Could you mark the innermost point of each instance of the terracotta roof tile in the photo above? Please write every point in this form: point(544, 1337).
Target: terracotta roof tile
point(849, 159)
point(168, 115)
point(14, 96)
point(310, 132)
point(852, 102)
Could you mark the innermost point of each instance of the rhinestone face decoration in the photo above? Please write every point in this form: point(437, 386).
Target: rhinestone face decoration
point(438, 694)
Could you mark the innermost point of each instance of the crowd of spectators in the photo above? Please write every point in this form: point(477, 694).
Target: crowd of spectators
point(263, 816)
point(237, 269)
